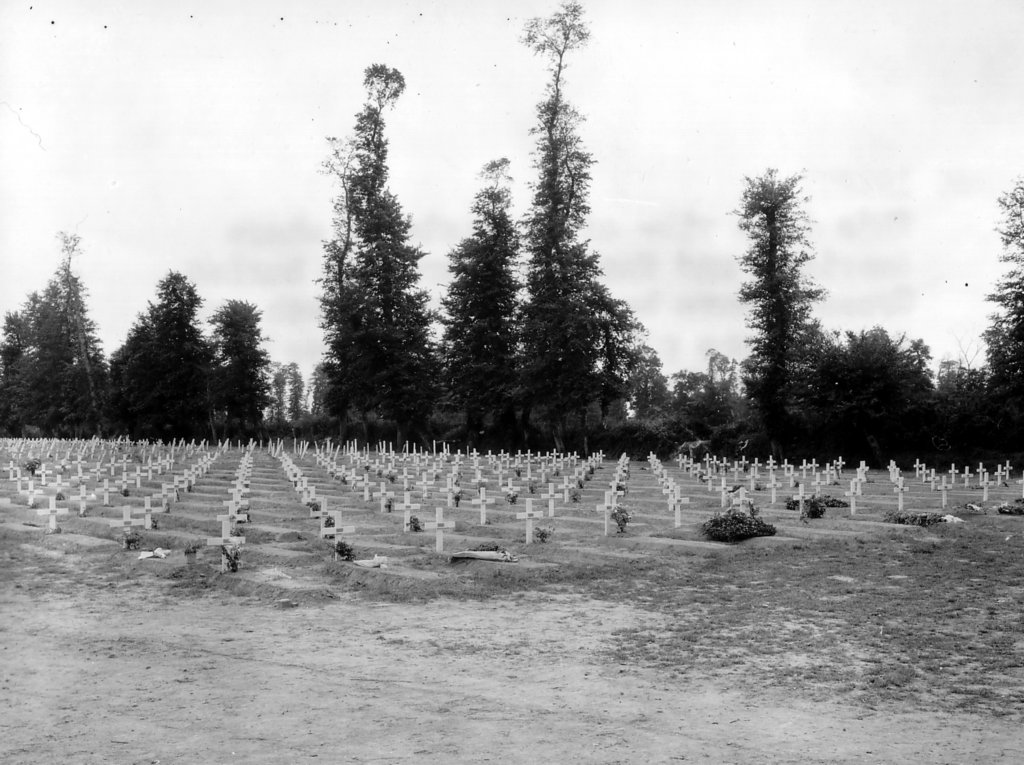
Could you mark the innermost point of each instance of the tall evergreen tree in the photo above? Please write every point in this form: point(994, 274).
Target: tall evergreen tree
point(240, 386)
point(480, 337)
point(161, 375)
point(54, 371)
point(374, 315)
point(1005, 336)
point(779, 295)
point(578, 343)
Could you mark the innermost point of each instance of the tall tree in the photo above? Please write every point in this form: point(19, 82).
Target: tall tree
point(779, 296)
point(54, 371)
point(870, 394)
point(1005, 336)
point(480, 336)
point(375, 317)
point(162, 372)
point(240, 385)
point(648, 388)
point(296, 392)
point(578, 343)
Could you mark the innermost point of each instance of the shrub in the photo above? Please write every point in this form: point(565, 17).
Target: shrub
point(622, 517)
point(414, 524)
point(734, 525)
point(905, 518)
point(314, 506)
point(542, 535)
point(343, 550)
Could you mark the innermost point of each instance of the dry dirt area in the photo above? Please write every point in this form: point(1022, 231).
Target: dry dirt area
point(105, 659)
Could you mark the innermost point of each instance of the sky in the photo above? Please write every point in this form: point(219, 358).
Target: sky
point(191, 136)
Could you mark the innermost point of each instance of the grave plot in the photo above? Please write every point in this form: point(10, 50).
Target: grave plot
point(288, 518)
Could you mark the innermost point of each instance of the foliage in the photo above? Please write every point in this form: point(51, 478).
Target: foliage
point(53, 375)
point(343, 550)
point(906, 518)
point(869, 390)
point(578, 343)
point(314, 507)
point(239, 374)
point(380, 356)
point(542, 534)
point(414, 524)
point(622, 517)
point(735, 525)
point(160, 377)
point(814, 507)
point(480, 333)
point(778, 294)
point(1004, 338)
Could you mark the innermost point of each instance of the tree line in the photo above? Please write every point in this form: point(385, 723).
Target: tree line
point(529, 348)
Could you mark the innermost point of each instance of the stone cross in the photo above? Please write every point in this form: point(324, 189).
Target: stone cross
point(483, 502)
point(127, 521)
point(900, 488)
point(799, 497)
point(332, 532)
point(852, 494)
point(529, 515)
point(675, 503)
point(773, 484)
point(408, 506)
point(550, 497)
point(438, 526)
point(53, 511)
point(606, 507)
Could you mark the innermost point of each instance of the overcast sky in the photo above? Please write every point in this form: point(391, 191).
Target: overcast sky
point(189, 136)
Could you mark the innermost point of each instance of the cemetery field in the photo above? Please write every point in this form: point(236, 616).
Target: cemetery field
point(839, 639)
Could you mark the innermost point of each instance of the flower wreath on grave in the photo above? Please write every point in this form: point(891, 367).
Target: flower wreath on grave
point(1017, 508)
point(622, 516)
point(32, 465)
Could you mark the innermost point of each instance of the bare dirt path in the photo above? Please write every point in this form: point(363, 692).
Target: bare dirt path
point(98, 669)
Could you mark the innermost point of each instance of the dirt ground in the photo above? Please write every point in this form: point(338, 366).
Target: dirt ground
point(100, 666)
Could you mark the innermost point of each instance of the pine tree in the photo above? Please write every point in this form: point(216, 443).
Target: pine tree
point(374, 315)
point(578, 343)
point(240, 387)
point(1005, 336)
point(480, 337)
point(161, 375)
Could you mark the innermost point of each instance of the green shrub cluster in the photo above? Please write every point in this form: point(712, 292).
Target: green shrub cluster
point(734, 525)
point(905, 518)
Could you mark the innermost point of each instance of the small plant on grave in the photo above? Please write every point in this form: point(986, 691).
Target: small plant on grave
point(343, 550)
point(154, 524)
point(328, 521)
point(191, 547)
point(389, 504)
point(60, 496)
point(735, 525)
point(32, 466)
point(557, 473)
point(904, 518)
point(622, 517)
point(457, 497)
point(236, 532)
point(533, 487)
point(519, 472)
point(579, 483)
point(391, 476)
point(620, 486)
point(313, 505)
point(230, 557)
point(542, 534)
point(511, 497)
point(125, 492)
point(414, 524)
point(131, 540)
point(575, 495)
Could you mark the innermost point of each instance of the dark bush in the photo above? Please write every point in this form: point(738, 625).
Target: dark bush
point(734, 525)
